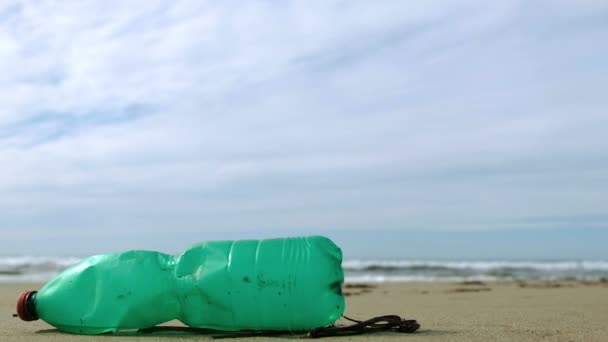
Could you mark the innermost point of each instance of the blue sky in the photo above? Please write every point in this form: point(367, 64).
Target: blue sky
point(174, 120)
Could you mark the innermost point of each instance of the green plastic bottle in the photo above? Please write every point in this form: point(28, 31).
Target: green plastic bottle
point(289, 284)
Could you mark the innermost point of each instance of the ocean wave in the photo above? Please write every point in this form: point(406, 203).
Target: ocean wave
point(41, 269)
point(414, 265)
point(416, 270)
point(375, 278)
point(31, 265)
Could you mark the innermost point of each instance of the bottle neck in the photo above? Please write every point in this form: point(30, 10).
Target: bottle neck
point(26, 306)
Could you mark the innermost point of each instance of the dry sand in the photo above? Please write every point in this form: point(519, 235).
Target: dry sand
point(563, 311)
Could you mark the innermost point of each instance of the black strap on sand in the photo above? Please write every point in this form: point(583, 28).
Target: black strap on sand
point(380, 323)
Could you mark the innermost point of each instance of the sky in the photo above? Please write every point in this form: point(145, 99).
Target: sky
point(161, 123)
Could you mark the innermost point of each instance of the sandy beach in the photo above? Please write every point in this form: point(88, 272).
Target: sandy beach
point(543, 311)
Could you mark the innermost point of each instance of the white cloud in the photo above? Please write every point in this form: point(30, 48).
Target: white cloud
point(203, 115)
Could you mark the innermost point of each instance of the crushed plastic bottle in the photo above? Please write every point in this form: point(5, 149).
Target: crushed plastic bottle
point(291, 284)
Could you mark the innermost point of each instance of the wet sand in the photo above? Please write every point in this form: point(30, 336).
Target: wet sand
point(532, 311)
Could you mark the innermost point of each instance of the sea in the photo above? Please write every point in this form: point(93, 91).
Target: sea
point(15, 269)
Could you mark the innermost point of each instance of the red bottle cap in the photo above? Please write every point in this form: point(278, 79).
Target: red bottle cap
point(25, 306)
